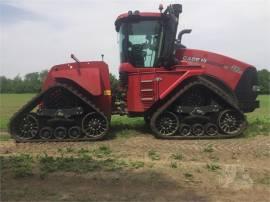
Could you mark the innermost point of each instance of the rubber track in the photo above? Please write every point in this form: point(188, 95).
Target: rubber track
point(203, 82)
point(36, 100)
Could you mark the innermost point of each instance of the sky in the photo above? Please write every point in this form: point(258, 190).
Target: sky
point(37, 34)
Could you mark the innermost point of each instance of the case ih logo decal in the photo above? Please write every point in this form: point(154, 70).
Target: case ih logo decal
point(233, 68)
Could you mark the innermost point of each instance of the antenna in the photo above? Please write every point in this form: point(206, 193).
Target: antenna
point(74, 58)
point(102, 57)
point(77, 61)
point(160, 8)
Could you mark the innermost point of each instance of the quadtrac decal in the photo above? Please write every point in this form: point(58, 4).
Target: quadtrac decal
point(194, 59)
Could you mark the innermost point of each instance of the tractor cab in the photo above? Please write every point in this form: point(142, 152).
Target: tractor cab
point(148, 39)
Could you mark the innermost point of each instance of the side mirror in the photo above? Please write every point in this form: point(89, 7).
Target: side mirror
point(181, 33)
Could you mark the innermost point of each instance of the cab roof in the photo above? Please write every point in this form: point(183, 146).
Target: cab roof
point(135, 14)
point(142, 14)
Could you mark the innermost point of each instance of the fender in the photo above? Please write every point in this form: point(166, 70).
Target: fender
point(88, 75)
point(222, 85)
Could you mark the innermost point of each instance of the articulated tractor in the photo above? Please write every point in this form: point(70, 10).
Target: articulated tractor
point(180, 92)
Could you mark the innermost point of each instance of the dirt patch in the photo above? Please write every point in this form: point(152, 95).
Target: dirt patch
point(180, 170)
point(136, 186)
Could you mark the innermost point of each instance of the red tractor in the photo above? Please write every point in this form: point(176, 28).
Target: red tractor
point(180, 92)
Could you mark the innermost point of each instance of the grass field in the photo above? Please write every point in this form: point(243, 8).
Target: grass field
point(259, 120)
point(9, 104)
point(132, 165)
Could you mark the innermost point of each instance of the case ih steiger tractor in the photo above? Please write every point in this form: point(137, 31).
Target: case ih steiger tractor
point(180, 92)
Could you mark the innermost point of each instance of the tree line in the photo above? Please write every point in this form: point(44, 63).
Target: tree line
point(32, 82)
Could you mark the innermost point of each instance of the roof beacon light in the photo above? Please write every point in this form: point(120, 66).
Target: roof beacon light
point(136, 12)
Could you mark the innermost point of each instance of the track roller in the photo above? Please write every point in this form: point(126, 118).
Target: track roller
point(211, 129)
point(197, 129)
point(46, 133)
point(60, 133)
point(74, 132)
point(185, 129)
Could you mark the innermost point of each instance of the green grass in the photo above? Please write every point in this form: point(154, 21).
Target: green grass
point(136, 164)
point(124, 127)
point(173, 164)
point(9, 104)
point(259, 120)
point(153, 155)
point(177, 156)
point(264, 180)
point(264, 111)
point(209, 148)
point(188, 175)
point(213, 167)
point(102, 151)
point(21, 165)
point(4, 137)
point(25, 165)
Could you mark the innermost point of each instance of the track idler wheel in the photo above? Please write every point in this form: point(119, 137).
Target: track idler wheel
point(74, 132)
point(211, 129)
point(60, 133)
point(167, 124)
point(46, 133)
point(231, 122)
point(94, 125)
point(185, 130)
point(197, 129)
point(28, 127)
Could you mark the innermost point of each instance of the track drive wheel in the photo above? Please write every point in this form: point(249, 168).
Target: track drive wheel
point(165, 125)
point(94, 126)
point(28, 127)
point(231, 122)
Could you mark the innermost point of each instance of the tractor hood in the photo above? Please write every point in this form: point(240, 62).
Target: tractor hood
point(216, 65)
point(239, 76)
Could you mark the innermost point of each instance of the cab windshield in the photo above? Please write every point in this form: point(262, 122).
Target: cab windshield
point(140, 42)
